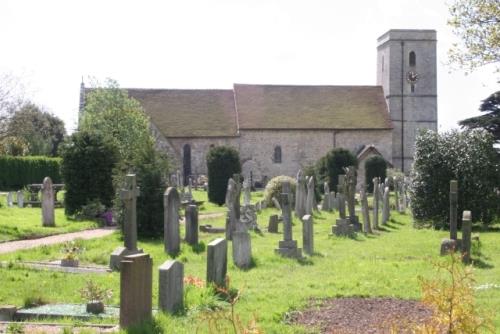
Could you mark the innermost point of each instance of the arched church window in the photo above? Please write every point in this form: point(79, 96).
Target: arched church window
point(277, 154)
point(186, 163)
point(413, 59)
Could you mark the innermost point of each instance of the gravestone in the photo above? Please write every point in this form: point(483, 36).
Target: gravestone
point(308, 234)
point(300, 195)
point(10, 199)
point(376, 200)
point(20, 199)
point(326, 199)
point(171, 206)
point(129, 196)
point(453, 208)
point(273, 224)
point(192, 224)
point(276, 203)
point(287, 247)
point(242, 249)
point(247, 195)
point(171, 286)
point(48, 217)
point(466, 237)
point(404, 203)
point(365, 211)
point(189, 195)
point(386, 209)
point(233, 208)
point(397, 189)
point(217, 262)
point(350, 193)
point(334, 201)
point(343, 226)
point(136, 287)
point(248, 213)
point(310, 196)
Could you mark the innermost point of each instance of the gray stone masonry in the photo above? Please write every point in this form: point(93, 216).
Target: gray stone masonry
point(273, 224)
point(310, 196)
point(217, 262)
point(386, 210)
point(48, 217)
point(308, 234)
point(242, 249)
point(367, 228)
point(466, 237)
point(171, 206)
point(300, 195)
point(10, 199)
point(136, 287)
point(192, 224)
point(376, 200)
point(453, 208)
point(276, 203)
point(287, 247)
point(171, 286)
point(20, 199)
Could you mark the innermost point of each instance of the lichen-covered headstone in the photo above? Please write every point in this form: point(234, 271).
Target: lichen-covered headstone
point(300, 195)
point(376, 200)
point(20, 199)
point(192, 224)
point(217, 262)
point(10, 199)
point(287, 247)
point(171, 286)
point(308, 234)
point(310, 196)
point(326, 198)
point(466, 237)
point(171, 206)
point(386, 209)
point(48, 214)
point(365, 211)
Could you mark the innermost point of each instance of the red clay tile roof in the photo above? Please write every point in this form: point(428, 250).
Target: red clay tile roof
point(311, 107)
point(189, 113)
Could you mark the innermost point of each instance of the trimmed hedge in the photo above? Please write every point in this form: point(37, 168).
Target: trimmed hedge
point(17, 172)
point(222, 163)
point(335, 161)
point(375, 166)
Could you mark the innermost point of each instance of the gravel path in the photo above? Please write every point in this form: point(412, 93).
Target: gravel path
point(13, 246)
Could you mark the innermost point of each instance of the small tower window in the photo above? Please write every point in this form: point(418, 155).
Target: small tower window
point(413, 59)
point(412, 87)
point(277, 155)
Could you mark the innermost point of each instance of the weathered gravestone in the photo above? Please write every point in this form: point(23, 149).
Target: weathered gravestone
point(376, 200)
point(334, 201)
point(129, 196)
point(453, 243)
point(217, 262)
point(300, 195)
point(350, 193)
point(171, 286)
point(248, 212)
point(310, 196)
point(386, 209)
point(273, 224)
point(20, 199)
point(325, 206)
point(343, 226)
point(48, 217)
point(276, 203)
point(232, 203)
point(192, 224)
point(367, 228)
point(397, 190)
point(308, 234)
point(288, 246)
point(404, 203)
point(136, 286)
point(466, 237)
point(242, 249)
point(171, 205)
point(10, 199)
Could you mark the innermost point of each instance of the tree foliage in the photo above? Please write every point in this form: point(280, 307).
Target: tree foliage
point(375, 166)
point(222, 163)
point(17, 172)
point(469, 158)
point(491, 120)
point(333, 165)
point(88, 160)
point(477, 24)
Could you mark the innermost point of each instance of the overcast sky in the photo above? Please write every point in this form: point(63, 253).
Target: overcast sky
point(51, 45)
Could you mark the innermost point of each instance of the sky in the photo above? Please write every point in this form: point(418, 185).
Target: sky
point(51, 45)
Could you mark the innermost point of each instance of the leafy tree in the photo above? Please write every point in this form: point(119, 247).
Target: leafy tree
point(336, 160)
point(477, 24)
point(469, 158)
point(491, 120)
point(222, 163)
point(87, 167)
point(375, 166)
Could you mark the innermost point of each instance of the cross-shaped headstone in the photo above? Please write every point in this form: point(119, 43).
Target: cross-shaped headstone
point(129, 196)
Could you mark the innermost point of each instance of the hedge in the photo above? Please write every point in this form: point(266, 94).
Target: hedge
point(375, 166)
point(222, 163)
point(17, 172)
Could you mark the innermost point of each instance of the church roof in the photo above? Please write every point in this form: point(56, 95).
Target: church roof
point(311, 107)
point(189, 113)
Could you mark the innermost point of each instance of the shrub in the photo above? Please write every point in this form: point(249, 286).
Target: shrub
point(222, 163)
point(274, 188)
point(375, 166)
point(335, 161)
point(469, 158)
point(87, 167)
point(17, 172)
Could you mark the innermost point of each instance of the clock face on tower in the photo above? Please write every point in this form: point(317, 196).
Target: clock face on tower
point(412, 77)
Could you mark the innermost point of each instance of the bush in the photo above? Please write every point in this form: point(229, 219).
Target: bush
point(469, 158)
point(222, 163)
point(375, 166)
point(273, 188)
point(335, 161)
point(17, 172)
point(87, 168)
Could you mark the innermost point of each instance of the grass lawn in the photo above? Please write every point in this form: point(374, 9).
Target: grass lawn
point(386, 264)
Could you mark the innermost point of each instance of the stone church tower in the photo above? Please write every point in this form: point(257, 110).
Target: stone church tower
point(406, 69)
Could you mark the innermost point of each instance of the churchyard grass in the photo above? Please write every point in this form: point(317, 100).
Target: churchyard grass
point(386, 264)
point(26, 223)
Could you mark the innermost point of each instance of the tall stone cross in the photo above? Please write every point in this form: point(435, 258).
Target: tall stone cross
point(453, 209)
point(129, 196)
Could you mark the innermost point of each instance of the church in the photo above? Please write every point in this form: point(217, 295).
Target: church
point(279, 129)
